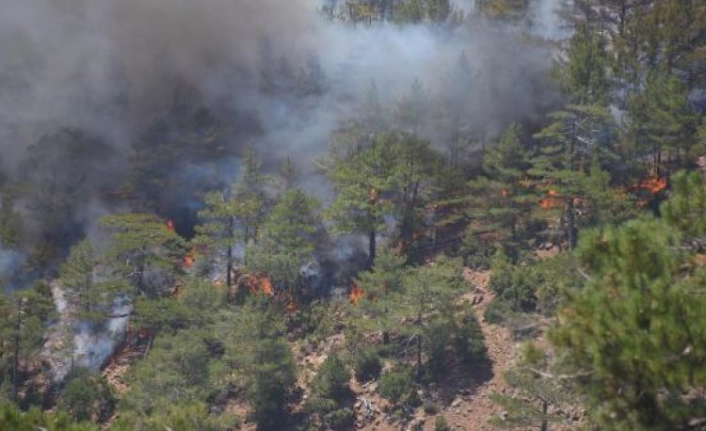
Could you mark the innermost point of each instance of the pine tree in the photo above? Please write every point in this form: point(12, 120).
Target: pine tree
point(287, 240)
point(360, 177)
point(219, 228)
point(250, 193)
point(91, 297)
point(410, 114)
point(25, 314)
point(390, 177)
point(11, 225)
point(428, 296)
point(187, 135)
point(634, 335)
point(537, 396)
point(561, 167)
point(579, 132)
point(258, 359)
point(377, 290)
point(662, 123)
point(142, 242)
point(235, 216)
point(500, 202)
point(175, 372)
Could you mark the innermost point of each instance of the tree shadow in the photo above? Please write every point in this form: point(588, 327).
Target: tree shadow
point(462, 377)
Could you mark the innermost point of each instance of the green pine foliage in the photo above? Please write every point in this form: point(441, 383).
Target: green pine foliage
point(11, 418)
point(329, 395)
point(22, 331)
point(634, 330)
point(142, 242)
point(87, 397)
point(539, 398)
point(388, 177)
point(287, 241)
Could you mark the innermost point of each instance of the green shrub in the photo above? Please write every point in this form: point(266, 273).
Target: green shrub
point(87, 395)
point(331, 381)
point(271, 383)
point(516, 285)
point(430, 407)
point(329, 392)
point(367, 364)
point(437, 341)
point(341, 419)
point(441, 424)
point(398, 387)
point(497, 312)
point(476, 254)
point(469, 340)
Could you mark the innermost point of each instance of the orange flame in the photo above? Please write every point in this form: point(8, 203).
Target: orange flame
point(266, 286)
point(260, 284)
point(170, 225)
point(189, 261)
point(505, 193)
point(291, 306)
point(551, 201)
point(654, 184)
point(356, 295)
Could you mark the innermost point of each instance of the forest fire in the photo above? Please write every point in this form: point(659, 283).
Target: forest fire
point(264, 285)
point(551, 201)
point(649, 189)
point(654, 184)
point(189, 260)
point(170, 225)
point(357, 293)
point(259, 284)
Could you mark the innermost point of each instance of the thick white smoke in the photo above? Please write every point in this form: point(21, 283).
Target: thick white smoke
point(109, 65)
point(73, 343)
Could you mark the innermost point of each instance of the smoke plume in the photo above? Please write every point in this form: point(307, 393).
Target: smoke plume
point(278, 76)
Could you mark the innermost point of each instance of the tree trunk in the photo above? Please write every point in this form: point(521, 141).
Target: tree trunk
point(571, 230)
point(141, 275)
point(150, 340)
point(229, 267)
point(419, 345)
point(372, 247)
point(229, 252)
point(545, 410)
point(16, 351)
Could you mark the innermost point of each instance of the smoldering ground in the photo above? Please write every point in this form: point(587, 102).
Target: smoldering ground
point(111, 69)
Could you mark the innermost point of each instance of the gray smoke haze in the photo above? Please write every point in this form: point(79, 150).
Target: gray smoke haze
point(9, 260)
point(106, 64)
point(109, 66)
point(102, 71)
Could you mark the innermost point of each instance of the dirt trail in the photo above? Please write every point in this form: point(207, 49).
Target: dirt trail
point(473, 412)
point(471, 409)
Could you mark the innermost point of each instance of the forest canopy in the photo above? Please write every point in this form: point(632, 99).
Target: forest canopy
point(318, 215)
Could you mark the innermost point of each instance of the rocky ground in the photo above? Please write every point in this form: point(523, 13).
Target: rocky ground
point(464, 401)
point(470, 407)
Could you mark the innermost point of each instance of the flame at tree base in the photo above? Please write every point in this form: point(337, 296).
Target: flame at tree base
point(357, 293)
